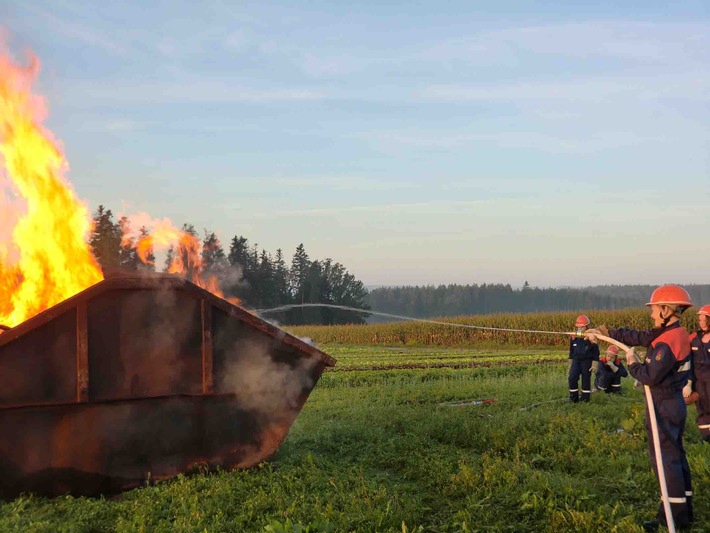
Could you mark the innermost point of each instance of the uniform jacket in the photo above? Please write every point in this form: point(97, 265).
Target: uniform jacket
point(667, 365)
point(700, 356)
point(604, 371)
point(581, 348)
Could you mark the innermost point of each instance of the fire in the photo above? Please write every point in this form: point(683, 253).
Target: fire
point(187, 252)
point(49, 239)
point(49, 258)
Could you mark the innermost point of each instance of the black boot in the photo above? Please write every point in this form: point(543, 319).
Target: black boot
point(651, 525)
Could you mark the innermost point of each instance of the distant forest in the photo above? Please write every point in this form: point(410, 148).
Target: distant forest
point(453, 300)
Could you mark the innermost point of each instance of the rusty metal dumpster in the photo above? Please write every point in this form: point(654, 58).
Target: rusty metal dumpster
point(144, 377)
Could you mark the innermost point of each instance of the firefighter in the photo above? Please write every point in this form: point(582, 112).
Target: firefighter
point(610, 371)
point(700, 373)
point(582, 353)
point(666, 373)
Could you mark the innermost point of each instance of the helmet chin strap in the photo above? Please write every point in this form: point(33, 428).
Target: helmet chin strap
point(673, 312)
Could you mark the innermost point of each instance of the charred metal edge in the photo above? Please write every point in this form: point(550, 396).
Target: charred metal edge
point(160, 281)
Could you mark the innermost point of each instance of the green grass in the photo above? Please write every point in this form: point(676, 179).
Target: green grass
point(393, 357)
point(375, 450)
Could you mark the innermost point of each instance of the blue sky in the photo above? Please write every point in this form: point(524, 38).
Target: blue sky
point(563, 143)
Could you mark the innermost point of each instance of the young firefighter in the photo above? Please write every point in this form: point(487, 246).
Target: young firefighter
point(610, 371)
point(666, 373)
point(582, 352)
point(700, 374)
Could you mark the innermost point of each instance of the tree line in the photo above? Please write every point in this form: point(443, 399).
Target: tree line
point(261, 280)
point(453, 300)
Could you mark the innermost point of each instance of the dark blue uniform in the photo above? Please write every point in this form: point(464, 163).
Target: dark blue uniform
point(666, 372)
point(609, 380)
point(700, 357)
point(582, 352)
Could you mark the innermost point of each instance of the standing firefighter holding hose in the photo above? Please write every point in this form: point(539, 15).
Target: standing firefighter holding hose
point(582, 354)
point(664, 374)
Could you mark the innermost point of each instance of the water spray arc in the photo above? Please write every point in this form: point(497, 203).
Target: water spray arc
point(401, 317)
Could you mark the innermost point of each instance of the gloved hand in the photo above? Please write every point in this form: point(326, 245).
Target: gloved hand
point(602, 329)
point(595, 366)
point(631, 357)
point(612, 366)
point(688, 389)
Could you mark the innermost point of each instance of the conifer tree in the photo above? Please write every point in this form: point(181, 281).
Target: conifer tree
point(105, 239)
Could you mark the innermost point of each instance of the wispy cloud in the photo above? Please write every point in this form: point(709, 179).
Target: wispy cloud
point(687, 85)
point(578, 143)
point(392, 208)
point(627, 40)
point(76, 31)
point(342, 183)
point(194, 91)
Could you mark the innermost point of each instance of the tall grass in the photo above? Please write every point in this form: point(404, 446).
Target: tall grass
point(422, 334)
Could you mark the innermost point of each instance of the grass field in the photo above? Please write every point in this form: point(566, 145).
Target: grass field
point(387, 450)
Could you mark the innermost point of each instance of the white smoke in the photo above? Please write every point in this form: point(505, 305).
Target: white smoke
point(271, 388)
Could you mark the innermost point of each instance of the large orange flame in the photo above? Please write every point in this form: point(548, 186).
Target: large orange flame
point(54, 260)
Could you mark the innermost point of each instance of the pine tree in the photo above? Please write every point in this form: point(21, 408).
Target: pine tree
point(128, 256)
point(213, 256)
point(283, 295)
point(105, 239)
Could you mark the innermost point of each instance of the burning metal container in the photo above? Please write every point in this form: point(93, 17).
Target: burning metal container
point(144, 377)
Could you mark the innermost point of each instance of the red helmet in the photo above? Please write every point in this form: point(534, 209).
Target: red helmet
point(582, 321)
point(670, 295)
point(612, 354)
point(704, 310)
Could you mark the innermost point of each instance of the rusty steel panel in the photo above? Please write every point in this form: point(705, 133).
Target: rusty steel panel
point(41, 368)
point(144, 343)
point(143, 377)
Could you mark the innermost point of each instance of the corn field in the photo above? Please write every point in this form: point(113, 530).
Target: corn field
point(420, 333)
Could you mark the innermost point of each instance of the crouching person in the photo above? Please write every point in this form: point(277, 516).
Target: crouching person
point(610, 372)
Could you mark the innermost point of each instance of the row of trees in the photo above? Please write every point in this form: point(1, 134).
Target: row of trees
point(255, 276)
point(452, 300)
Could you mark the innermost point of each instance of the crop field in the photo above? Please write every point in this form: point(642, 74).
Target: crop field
point(417, 333)
point(383, 447)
